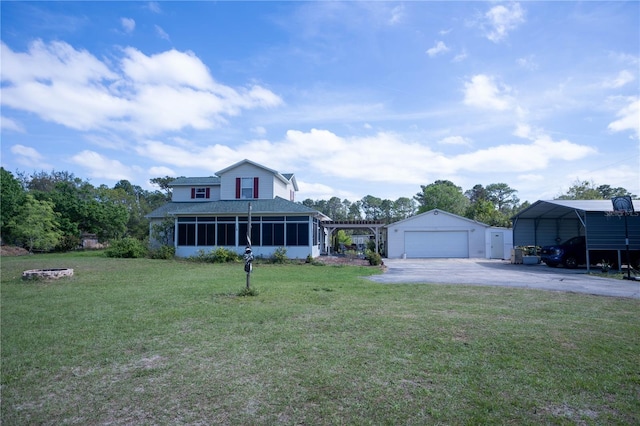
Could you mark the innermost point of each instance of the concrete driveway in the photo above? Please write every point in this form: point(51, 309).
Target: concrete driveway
point(503, 273)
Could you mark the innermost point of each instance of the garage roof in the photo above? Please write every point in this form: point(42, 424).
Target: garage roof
point(556, 209)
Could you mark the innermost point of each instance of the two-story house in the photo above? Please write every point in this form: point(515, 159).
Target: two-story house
point(211, 212)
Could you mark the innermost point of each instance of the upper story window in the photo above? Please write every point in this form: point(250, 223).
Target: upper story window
point(247, 188)
point(200, 193)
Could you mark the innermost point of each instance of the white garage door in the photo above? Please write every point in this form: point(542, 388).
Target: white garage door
point(436, 244)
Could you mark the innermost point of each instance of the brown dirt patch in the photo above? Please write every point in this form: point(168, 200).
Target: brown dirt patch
point(13, 251)
point(342, 260)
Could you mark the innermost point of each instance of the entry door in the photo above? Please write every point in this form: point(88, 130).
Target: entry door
point(497, 245)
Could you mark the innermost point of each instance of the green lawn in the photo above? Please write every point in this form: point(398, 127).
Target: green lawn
point(168, 342)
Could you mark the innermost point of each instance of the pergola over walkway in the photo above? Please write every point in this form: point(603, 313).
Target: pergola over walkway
point(372, 225)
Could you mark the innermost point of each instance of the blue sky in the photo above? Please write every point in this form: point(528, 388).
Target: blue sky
point(355, 98)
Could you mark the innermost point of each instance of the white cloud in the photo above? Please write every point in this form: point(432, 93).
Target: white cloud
point(51, 64)
point(392, 159)
point(211, 157)
point(455, 140)
point(438, 48)
point(460, 56)
point(397, 13)
point(259, 130)
point(531, 177)
point(502, 19)
point(523, 130)
point(162, 33)
point(522, 157)
point(167, 91)
point(171, 68)
point(160, 171)
point(99, 166)
point(483, 92)
point(620, 80)
point(29, 157)
point(154, 7)
point(128, 24)
point(527, 62)
point(319, 191)
point(7, 123)
point(629, 118)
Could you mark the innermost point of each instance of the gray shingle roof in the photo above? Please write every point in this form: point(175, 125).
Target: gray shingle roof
point(230, 207)
point(196, 181)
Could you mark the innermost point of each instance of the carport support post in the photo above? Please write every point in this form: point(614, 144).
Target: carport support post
point(626, 242)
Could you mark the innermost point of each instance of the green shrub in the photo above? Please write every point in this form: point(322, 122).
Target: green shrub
point(223, 255)
point(371, 245)
point(68, 243)
point(126, 247)
point(374, 258)
point(218, 255)
point(248, 291)
point(279, 255)
point(163, 252)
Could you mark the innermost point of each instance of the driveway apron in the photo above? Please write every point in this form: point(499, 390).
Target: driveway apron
point(502, 273)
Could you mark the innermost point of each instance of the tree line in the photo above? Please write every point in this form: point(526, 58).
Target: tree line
point(494, 204)
point(52, 210)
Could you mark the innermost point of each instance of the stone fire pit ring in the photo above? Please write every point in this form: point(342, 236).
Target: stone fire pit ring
point(47, 274)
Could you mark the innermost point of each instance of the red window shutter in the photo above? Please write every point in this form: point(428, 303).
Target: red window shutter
point(237, 187)
point(208, 193)
point(193, 193)
point(255, 187)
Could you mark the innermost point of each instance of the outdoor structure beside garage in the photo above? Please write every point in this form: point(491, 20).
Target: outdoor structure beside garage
point(552, 222)
point(439, 234)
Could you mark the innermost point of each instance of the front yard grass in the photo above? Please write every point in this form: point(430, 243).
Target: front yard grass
point(139, 341)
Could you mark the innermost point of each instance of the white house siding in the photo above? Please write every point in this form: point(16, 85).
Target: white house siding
point(265, 181)
point(281, 189)
point(258, 251)
point(183, 193)
point(436, 234)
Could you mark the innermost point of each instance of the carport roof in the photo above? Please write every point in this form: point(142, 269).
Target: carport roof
point(556, 209)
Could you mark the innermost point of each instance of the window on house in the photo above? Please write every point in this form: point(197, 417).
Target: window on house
point(186, 234)
point(255, 233)
point(297, 234)
point(206, 234)
point(273, 234)
point(200, 193)
point(226, 235)
point(247, 188)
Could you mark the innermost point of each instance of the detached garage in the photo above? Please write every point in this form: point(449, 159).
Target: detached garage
point(439, 234)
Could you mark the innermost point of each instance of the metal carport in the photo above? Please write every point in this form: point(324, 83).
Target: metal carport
point(553, 221)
